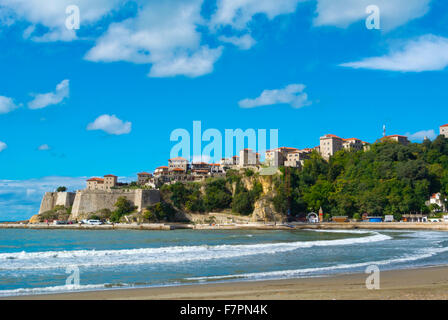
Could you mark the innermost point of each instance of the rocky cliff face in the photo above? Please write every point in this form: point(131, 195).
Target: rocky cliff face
point(264, 211)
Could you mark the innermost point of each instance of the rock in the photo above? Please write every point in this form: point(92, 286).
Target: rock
point(34, 219)
point(264, 211)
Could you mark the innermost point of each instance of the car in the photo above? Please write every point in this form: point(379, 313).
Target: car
point(94, 222)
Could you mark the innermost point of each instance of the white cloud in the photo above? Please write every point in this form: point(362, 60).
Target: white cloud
point(244, 42)
point(238, 13)
point(7, 105)
point(164, 34)
point(51, 15)
point(43, 147)
point(420, 135)
point(20, 199)
point(292, 94)
point(3, 146)
point(427, 53)
point(393, 13)
point(46, 99)
point(110, 124)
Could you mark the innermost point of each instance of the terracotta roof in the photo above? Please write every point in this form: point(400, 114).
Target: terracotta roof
point(143, 173)
point(110, 175)
point(351, 139)
point(96, 179)
point(178, 158)
point(178, 169)
point(162, 167)
point(394, 135)
point(445, 125)
point(331, 136)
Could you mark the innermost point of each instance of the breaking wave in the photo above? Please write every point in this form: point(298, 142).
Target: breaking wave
point(176, 254)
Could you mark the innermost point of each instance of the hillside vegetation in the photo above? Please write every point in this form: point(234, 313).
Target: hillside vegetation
point(387, 179)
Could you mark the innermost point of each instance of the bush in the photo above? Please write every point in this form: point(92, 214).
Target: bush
point(61, 189)
point(243, 203)
point(124, 207)
point(161, 211)
point(217, 196)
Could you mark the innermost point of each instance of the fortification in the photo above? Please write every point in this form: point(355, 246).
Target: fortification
point(90, 201)
point(52, 199)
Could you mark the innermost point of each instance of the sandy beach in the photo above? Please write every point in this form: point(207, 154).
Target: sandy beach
point(409, 284)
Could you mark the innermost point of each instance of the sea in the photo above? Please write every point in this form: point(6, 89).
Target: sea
point(54, 261)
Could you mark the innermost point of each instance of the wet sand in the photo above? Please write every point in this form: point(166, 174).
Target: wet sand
point(409, 284)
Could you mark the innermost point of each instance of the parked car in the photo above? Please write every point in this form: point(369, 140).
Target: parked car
point(94, 222)
point(59, 222)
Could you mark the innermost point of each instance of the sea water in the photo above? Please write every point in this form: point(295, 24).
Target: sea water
point(47, 261)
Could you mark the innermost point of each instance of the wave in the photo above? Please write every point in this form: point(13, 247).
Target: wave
point(49, 290)
point(176, 254)
point(427, 253)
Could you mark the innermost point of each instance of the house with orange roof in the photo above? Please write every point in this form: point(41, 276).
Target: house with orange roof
point(330, 144)
point(396, 138)
point(278, 156)
point(444, 130)
point(143, 178)
point(178, 163)
point(108, 182)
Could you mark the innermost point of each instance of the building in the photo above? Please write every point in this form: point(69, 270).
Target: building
point(229, 162)
point(329, 145)
point(200, 166)
point(108, 182)
point(396, 138)
point(160, 171)
point(178, 163)
point(248, 158)
point(278, 157)
point(444, 130)
point(216, 168)
point(436, 200)
point(353, 144)
point(143, 178)
point(296, 159)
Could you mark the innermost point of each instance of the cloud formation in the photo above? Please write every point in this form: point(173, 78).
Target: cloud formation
point(292, 94)
point(111, 125)
point(51, 15)
point(3, 146)
point(43, 100)
point(7, 105)
point(420, 135)
point(393, 13)
point(163, 34)
point(244, 42)
point(427, 53)
point(43, 147)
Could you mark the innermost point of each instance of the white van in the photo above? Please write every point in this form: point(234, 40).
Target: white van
point(94, 222)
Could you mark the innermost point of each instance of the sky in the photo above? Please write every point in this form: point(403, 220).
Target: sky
point(103, 96)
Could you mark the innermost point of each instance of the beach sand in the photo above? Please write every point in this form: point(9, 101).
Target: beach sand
point(414, 284)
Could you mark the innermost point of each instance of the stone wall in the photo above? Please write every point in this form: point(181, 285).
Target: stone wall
point(90, 201)
point(52, 199)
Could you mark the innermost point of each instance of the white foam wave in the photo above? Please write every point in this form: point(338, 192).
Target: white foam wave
point(339, 231)
point(427, 253)
point(49, 290)
point(90, 258)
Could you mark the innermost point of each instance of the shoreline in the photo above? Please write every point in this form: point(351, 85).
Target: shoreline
point(399, 284)
point(249, 226)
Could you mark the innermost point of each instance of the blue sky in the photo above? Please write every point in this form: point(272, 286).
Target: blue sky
point(105, 98)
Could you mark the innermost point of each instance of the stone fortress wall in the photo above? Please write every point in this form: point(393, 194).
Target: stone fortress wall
point(53, 199)
point(91, 201)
